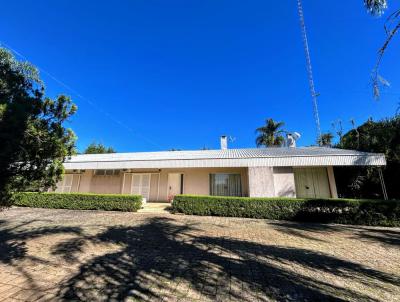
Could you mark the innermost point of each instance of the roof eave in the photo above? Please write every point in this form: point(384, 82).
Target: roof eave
point(292, 161)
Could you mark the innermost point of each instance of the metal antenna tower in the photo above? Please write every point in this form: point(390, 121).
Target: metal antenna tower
point(314, 95)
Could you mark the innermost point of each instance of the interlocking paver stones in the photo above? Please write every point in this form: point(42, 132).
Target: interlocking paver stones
point(52, 255)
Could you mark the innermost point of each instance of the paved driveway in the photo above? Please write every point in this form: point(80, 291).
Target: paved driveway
point(102, 256)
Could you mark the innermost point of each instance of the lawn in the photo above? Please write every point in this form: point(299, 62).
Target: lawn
point(52, 255)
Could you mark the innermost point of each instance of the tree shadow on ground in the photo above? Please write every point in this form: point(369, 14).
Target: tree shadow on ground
point(162, 258)
point(309, 230)
point(13, 238)
point(13, 245)
point(382, 236)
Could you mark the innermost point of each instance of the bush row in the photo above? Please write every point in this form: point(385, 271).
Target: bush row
point(344, 211)
point(79, 201)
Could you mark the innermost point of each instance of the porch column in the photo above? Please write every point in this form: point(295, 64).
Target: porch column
point(261, 182)
point(332, 182)
point(385, 196)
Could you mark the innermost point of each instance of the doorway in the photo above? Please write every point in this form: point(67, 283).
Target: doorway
point(141, 185)
point(312, 183)
point(175, 185)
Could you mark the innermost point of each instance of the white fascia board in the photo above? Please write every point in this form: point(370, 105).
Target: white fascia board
point(293, 161)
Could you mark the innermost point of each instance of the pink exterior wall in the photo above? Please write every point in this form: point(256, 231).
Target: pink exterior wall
point(284, 182)
point(196, 181)
point(256, 181)
point(261, 182)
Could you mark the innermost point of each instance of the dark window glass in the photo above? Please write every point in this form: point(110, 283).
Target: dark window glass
point(225, 185)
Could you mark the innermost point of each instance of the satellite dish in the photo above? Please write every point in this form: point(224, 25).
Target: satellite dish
point(296, 135)
point(291, 138)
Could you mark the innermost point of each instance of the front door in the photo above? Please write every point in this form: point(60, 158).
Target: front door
point(175, 185)
point(312, 183)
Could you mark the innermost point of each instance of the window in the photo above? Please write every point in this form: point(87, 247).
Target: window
point(106, 172)
point(65, 185)
point(225, 185)
point(99, 172)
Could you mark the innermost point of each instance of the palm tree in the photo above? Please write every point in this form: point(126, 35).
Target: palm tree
point(376, 7)
point(270, 134)
point(325, 139)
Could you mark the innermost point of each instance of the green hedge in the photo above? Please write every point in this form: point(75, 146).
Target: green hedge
point(79, 201)
point(345, 211)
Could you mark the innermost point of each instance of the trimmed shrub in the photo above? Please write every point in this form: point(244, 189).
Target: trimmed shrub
point(344, 211)
point(79, 201)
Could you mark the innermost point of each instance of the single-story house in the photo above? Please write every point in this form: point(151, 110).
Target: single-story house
point(262, 172)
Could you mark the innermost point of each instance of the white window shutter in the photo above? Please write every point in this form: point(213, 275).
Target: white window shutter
point(59, 186)
point(145, 189)
point(136, 184)
point(67, 185)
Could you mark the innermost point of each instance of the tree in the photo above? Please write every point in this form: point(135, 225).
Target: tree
point(34, 142)
point(378, 137)
point(376, 7)
point(338, 129)
point(98, 148)
point(325, 139)
point(392, 26)
point(270, 134)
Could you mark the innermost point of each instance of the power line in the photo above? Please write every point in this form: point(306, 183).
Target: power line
point(76, 93)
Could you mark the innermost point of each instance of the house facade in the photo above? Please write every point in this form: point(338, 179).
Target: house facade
point(267, 172)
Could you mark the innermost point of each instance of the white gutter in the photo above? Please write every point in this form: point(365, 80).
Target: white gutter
point(286, 161)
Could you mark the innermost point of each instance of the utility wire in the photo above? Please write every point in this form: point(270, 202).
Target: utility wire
point(76, 93)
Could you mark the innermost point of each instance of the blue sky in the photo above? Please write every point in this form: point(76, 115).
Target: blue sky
point(163, 74)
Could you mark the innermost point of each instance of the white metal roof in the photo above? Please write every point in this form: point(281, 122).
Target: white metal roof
point(304, 156)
